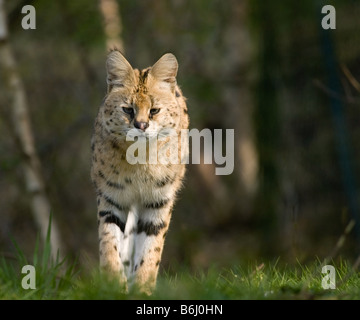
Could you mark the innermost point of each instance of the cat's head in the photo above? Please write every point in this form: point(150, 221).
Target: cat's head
point(143, 100)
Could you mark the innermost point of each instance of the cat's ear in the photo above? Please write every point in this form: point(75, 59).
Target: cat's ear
point(119, 71)
point(165, 70)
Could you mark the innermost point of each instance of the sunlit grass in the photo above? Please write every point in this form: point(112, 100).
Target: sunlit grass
point(64, 279)
point(265, 281)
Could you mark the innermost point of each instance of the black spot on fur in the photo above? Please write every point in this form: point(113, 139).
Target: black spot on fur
point(157, 249)
point(145, 74)
point(177, 94)
point(110, 183)
point(165, 181)
point(142, 79)
point(114, 145)
point(149, 228)
point(104, 213)
point(114, 203)
point(157, 262)
point(157, 205)
point(115, 185)
point(128, 180)
point(114, 219)
point(141, 262)
point(98, 192)
point(101, 174)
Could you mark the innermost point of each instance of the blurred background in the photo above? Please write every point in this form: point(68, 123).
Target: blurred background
point(289, 89)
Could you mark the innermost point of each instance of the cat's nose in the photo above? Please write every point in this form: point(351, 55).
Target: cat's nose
point(141, 125)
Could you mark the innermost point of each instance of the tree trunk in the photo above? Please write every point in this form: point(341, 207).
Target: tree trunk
point(30, 163)
point(112, 24)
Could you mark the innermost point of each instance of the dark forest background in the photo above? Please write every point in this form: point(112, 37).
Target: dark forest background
point(267, 69)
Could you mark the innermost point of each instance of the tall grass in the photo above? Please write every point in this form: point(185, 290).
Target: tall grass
point(52, 277)
point(267, 281)
point(63, 279)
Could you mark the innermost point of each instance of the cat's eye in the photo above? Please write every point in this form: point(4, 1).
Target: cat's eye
point(128, 110)
point(154, 111)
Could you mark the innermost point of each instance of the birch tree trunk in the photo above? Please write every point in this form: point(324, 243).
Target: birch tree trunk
point(30, 162)
point(112, 24)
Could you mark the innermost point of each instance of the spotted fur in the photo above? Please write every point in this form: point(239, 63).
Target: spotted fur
point(135, 201)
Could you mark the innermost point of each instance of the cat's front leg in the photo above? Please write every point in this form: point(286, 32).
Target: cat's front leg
point(149, 242)
point(111, 234)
